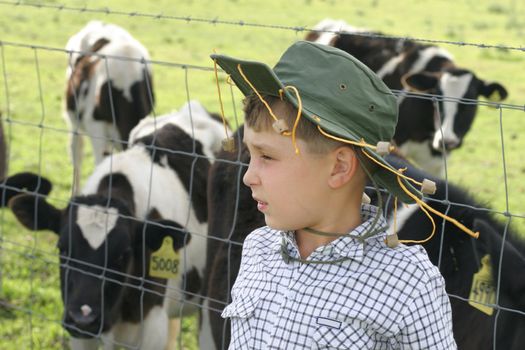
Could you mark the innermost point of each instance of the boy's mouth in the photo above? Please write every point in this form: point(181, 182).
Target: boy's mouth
point(261, 206)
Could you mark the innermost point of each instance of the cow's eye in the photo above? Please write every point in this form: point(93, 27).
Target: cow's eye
point(122, 258)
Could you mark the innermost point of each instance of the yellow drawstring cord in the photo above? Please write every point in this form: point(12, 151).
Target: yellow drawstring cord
point(399, 173)
point(424, 206)
point(443, 216)
point(299, 108)
point(409, 240)
point(297, 117)
point(395, 215)
point(286, 133)
point(220, 98)
point(362, 143)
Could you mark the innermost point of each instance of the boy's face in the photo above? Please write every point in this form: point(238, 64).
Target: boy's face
point(290, 189)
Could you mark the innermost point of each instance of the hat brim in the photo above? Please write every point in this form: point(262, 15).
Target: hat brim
point(266, 82)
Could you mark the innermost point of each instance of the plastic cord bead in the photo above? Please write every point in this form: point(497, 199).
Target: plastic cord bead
point(428, 187)
point(228, 144)
point(383, 148)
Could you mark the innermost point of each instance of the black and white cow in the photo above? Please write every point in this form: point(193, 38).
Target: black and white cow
point(199, 134)
point(107, 292)
point(162, 178)
point(109, 89)
point(427, 129)
point(460, 257)
point(233, 215)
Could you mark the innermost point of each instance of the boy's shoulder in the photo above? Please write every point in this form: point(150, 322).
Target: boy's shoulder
point(407, 259)
point(262, 238)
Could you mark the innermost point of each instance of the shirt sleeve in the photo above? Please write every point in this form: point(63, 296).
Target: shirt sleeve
point(427, 323)
point(246, 257)
point(240, 330)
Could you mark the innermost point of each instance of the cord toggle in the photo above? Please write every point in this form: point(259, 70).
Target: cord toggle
point(228, 144)
point(383, 148)
point(428, 187)
point(392, 240)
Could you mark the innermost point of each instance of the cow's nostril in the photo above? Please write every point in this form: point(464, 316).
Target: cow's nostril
point(81, 317)
point(450, 145)
point(86, 310)
point(447, 144)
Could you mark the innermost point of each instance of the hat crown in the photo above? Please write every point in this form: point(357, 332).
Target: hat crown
point(339, 89)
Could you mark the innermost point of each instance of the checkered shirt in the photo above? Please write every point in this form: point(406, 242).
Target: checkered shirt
point(380, 298)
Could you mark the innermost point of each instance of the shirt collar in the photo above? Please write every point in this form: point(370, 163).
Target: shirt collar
point(350, 245)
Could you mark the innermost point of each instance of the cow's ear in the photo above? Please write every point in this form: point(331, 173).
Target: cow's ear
point(491, 242)
point(422, 81)
point(493, 92)
point(487, 236)
point(14, 184)
point(35, 213)
point(156, 231)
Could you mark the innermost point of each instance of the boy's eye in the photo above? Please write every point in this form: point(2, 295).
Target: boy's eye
point(265, 157)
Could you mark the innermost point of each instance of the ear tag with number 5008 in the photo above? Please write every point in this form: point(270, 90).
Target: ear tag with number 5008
point(164, 263)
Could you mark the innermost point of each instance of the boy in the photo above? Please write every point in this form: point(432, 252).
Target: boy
point(320, 275)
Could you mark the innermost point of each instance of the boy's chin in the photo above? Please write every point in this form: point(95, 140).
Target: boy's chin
point(279, 226)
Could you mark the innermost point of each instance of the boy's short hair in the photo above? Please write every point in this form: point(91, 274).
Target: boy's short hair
point(257, 117)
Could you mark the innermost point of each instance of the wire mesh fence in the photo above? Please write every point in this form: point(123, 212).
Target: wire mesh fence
point(167, 179)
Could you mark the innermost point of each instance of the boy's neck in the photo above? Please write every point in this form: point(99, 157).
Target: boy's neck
point(312, 238)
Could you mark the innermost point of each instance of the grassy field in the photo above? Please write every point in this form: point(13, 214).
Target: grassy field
point(32, 85)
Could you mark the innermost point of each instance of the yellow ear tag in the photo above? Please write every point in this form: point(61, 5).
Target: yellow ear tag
point(164, 263)
point(482, 291)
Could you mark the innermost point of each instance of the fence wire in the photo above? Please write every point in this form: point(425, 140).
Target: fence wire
point(28, 250)
point(241, 23)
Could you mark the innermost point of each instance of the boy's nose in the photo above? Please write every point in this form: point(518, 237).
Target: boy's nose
point(249, 177)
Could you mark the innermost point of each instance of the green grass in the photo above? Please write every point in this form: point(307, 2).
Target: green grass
point(28, 260)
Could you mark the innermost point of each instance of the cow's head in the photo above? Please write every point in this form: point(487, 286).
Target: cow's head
point(102, 253)
point(79, 73)
point(460, 89)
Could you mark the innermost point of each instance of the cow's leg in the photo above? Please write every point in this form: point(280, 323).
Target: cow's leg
point(173, 333)
point(205, 334)
point(99, 140)
point(155, 331)
point(76, 148)
point(117, 142)
point(83, 344)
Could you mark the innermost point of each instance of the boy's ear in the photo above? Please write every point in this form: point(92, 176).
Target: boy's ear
point(343, 168)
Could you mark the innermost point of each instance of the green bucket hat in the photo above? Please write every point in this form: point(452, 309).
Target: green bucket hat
point(338, 93)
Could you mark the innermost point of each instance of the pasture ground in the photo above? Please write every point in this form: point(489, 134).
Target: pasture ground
point(32, 86)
